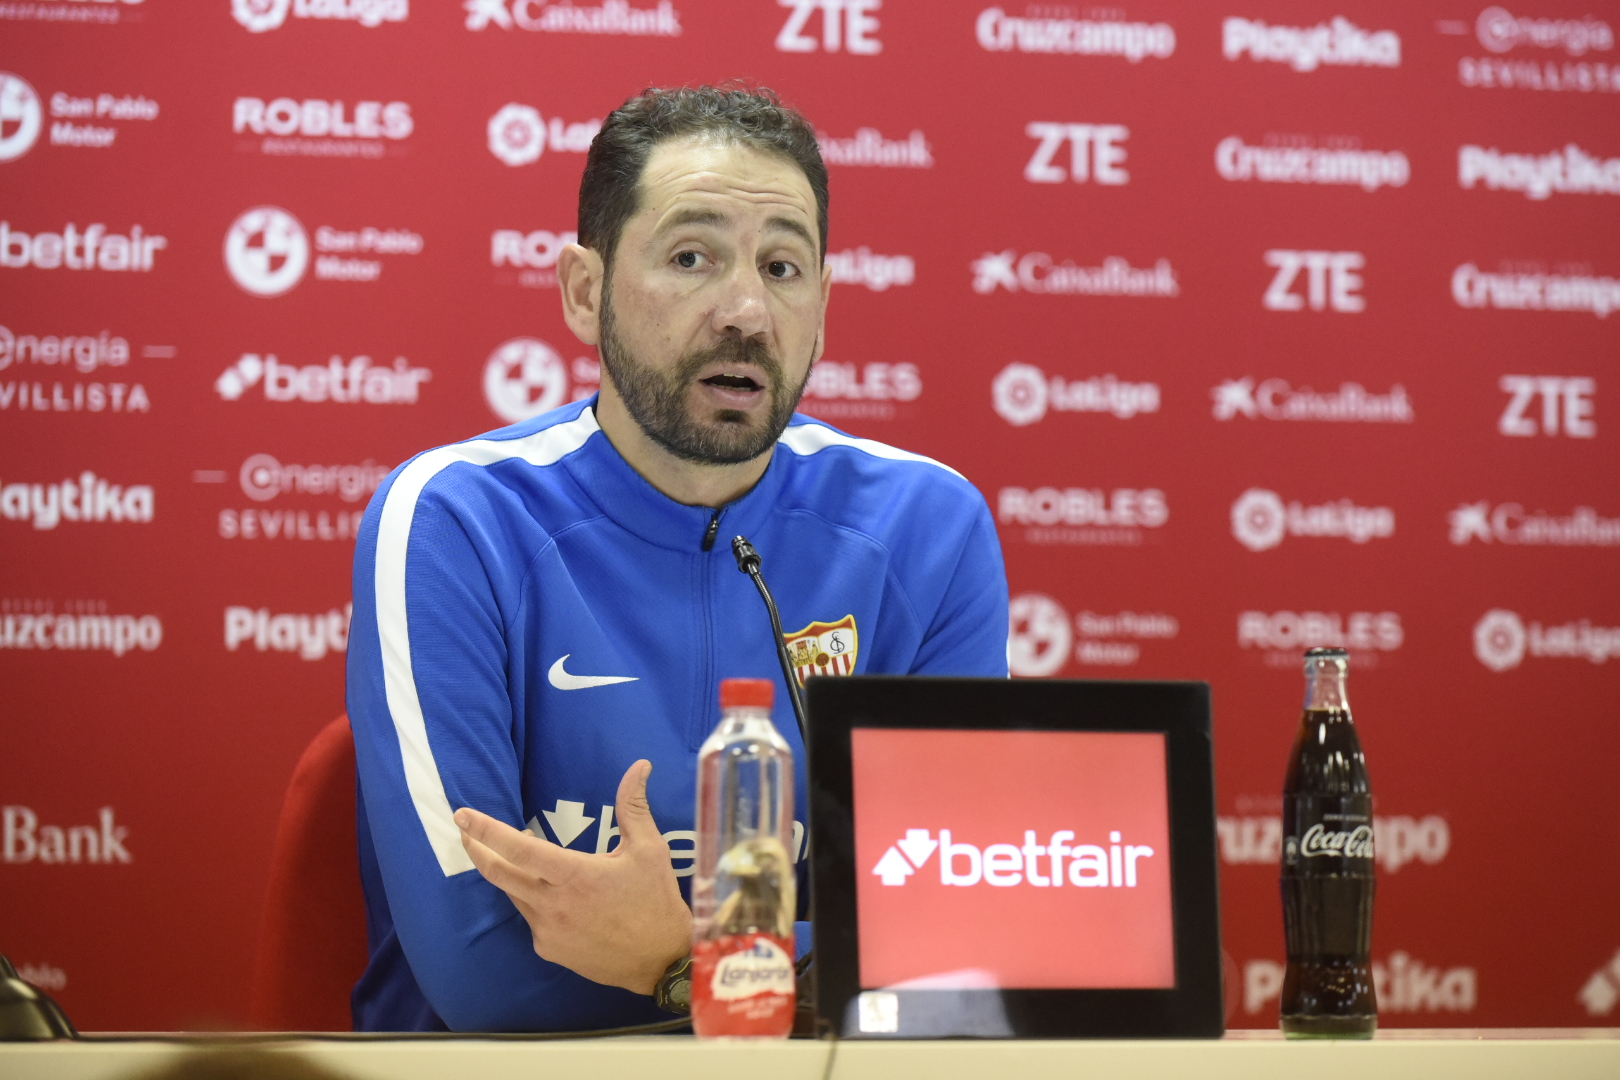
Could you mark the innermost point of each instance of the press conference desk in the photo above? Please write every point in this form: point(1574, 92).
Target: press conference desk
point(1560, 1054)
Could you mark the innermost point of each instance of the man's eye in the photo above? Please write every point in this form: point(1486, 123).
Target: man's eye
point(781, 270)
point(688, 260)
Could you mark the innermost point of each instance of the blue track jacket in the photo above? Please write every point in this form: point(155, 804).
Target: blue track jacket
point(531, 616)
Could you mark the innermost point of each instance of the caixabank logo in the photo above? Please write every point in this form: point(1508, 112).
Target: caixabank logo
point(1062, 829)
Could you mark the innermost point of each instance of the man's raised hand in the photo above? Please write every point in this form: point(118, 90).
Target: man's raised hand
point(616, 918)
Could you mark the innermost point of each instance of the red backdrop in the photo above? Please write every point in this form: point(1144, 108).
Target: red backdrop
point(1259, 325)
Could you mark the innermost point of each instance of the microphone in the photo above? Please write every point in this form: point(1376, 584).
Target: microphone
point(748, 562)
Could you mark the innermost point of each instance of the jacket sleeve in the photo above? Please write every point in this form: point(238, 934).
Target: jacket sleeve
point(968, 632)
point(434, 731)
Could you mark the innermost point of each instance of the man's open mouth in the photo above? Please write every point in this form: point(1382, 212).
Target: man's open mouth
point(733, 382)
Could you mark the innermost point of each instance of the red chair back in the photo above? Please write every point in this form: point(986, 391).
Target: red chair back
point(312, 946)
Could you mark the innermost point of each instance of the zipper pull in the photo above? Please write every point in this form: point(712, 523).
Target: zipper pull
point(712, 531)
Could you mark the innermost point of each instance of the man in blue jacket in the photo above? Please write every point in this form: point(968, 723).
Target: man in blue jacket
point(543, 614)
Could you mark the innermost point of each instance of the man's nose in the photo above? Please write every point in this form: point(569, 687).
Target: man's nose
point(743, 307)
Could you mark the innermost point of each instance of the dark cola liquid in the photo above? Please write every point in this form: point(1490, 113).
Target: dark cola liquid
point(1327, 881)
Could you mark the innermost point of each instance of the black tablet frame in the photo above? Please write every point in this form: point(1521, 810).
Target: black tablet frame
point(1180, 710)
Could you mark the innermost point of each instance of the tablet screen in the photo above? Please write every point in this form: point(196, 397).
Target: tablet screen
point(1012, 859)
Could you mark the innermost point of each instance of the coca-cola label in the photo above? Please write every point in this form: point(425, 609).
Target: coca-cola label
point(1328, 834)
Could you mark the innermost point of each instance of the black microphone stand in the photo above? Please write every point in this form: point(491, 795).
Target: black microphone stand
point(748, 562)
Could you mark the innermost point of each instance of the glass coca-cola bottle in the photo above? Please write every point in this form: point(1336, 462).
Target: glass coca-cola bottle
point(1327, 865)
point(744, 892)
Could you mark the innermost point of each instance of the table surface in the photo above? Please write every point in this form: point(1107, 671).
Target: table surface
point(1494, 1054)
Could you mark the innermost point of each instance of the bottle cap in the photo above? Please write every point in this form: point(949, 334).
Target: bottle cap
point(747, 693)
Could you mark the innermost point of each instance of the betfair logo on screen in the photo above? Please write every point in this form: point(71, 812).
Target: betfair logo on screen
point(1005, 865)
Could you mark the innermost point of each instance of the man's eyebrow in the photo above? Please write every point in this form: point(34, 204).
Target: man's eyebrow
point(715, 219)
point(783, 224)
point(695, 216)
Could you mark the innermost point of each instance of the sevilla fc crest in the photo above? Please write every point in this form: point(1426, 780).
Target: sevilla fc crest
point(825, 648)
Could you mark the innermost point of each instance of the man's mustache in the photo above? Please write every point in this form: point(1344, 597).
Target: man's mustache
point(750, 351)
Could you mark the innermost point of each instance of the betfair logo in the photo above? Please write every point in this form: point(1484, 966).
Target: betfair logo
point(1005, 865)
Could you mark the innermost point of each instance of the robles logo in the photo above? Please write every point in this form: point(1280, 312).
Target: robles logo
point(320, 128)
point(534, 253)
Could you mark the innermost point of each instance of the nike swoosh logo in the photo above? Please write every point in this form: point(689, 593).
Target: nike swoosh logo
point(564, 681)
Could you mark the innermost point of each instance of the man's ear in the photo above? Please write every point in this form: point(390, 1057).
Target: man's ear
point(579, 276)
point(821, 331)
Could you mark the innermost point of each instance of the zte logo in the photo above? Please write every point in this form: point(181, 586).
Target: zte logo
point(1568, 400)
point(1331, 281)
point(1006, 865)
point(846, 25)
point(1094, 153)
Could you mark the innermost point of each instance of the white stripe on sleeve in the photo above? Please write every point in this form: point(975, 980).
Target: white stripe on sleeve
point(422, 777)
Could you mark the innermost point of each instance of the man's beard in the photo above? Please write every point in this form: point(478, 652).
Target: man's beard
point(658, 400)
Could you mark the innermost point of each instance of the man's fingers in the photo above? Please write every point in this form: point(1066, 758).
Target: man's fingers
point(496, 870)
point(634, 813)
point(524, 851)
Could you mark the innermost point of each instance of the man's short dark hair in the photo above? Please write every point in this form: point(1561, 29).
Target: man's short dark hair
point(748, 116)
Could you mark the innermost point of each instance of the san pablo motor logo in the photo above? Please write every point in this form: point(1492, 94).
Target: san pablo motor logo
point(824, 648)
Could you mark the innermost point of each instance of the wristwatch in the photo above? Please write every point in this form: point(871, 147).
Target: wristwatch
point(674, 990)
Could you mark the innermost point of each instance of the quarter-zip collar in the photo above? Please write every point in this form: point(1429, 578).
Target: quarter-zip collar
point(633, 504)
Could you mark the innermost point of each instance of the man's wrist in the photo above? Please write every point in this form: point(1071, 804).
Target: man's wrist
point(673, 991)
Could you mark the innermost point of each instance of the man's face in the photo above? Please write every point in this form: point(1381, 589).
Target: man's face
point(713, 313)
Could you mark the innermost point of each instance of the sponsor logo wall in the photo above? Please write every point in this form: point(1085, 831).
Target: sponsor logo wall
point(1242, 357)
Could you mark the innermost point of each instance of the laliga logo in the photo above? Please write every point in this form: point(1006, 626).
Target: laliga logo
point(1499, 640)
point(518, 135)
point(266, 251)
point(1019, 393)
point(524, 377)
point(20, 116)
point(1258, 519)
point(260, 15)
point(1006, 865)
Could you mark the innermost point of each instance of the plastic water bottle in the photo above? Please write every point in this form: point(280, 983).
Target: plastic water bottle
point(744, 892)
